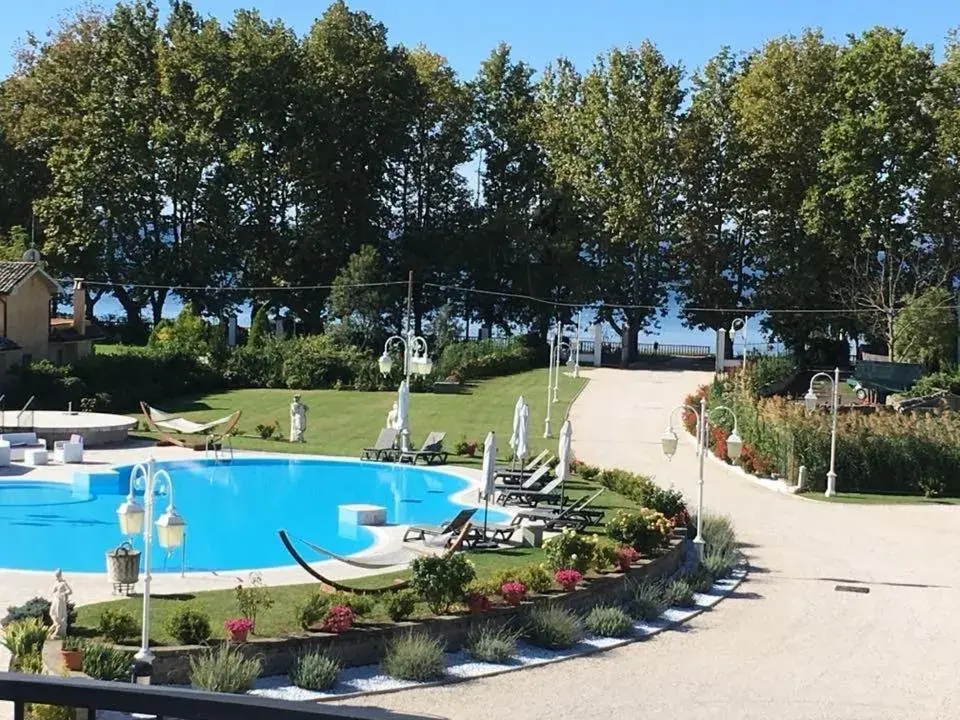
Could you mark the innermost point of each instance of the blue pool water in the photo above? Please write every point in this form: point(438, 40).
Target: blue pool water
point(232, 510)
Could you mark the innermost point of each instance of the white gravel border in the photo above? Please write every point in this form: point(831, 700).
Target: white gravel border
point(368, 680)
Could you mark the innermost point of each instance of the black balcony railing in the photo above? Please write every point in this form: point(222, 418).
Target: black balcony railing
point(166, 702)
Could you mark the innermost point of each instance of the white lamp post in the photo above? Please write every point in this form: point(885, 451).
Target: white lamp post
point(415, 360)
point(576, 360)
point(740, 325)
point(135, 518)
point(560, 345)
point(668, 443)
point(811, 400)
point(546, 423)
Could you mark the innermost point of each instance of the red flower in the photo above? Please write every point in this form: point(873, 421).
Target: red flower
point(568, 579)
point(237, 625)
point(339, 619)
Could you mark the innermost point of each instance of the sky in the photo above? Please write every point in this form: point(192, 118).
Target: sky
point(464, 31)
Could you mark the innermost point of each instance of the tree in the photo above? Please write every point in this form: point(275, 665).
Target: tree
point(355, 299)
point(923, 330)
point(260, 330)
point(611, 137)
point(714, 245)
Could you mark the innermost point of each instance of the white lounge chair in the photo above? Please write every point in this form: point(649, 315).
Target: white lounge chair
point(69, 451)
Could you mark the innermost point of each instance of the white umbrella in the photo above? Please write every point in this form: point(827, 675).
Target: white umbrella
point(488, 476)
point(521, 448)
point(563, 457)
point(403, 410)
point(517, 410)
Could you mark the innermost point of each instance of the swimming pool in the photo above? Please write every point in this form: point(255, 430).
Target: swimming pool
point(232, 510)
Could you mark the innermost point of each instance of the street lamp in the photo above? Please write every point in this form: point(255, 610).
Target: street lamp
point(415, 361)
point(135, 518)
point(811, 400)
point(576, 361)
point(546, 423)
point(740, 325)
point(668, 443)
point(561, 344)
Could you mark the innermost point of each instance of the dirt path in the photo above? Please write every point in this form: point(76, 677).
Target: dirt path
point(789, 646)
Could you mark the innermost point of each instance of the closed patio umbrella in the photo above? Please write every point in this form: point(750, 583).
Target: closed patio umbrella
point(520, 449)
point(403, 411)
point(488, 478)
point(563, 458)
point(517, 411)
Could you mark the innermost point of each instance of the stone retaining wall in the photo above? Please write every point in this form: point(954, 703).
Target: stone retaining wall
point(365, 643)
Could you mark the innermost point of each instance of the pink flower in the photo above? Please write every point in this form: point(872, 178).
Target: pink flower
point(513, 592)
point(339, 619)
point(627, 555)
point(568, 579)
point(238, 625)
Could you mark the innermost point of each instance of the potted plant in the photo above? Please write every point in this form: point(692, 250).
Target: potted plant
point(478, 603)
point(513, 592)
point(71, 652)
point(339, 619)
point(238, 629)
point(568, 578)
point(626, 557)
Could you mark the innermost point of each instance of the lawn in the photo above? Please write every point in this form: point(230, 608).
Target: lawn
point(880, 499)
point(343, 422)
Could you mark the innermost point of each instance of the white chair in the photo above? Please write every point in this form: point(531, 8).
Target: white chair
point(4, 453)
point(69, 451)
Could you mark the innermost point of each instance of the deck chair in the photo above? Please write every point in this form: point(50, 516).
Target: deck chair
point(384, 448)
point(173, 429)
point(431, 452)
point(517, 496)
point(574, 515)
point(453, 526)
point(515, 477)
point(532, 465)
point(536, 478)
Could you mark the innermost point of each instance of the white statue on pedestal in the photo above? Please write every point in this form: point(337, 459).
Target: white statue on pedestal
point(59, 610)
point(298, 419)
point(393, 417)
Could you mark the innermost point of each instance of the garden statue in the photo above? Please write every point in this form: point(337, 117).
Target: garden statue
point(393, 417)
point(59, 609)
point(298, 419)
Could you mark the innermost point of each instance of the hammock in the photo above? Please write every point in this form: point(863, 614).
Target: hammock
point(163, 423)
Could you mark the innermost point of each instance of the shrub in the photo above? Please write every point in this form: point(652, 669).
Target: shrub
point(441, 580)
point(189, 626)
point(37, 607)
point(553, 627)
point(701, 580)
point(117, 625)
point(72, 642)
point(315, 671)
point(642, 529)
point(646, 600)
point(568, 550)
point(339, 618)
point(252, 599)
point(237, 625)
point(568, 579)
point(414, 656)
point(103, 662)
point(224, 669)
point(400, 605)
point(717, 564)
point(626, 555)
point(513, 592)
point(608, 621)
point(360, 604)
point(605, 554)
point(679, 592)
point(313, 610)
point(719, 537)
point(25, 637)
point(485, 358)
point(588, 472)
point(535, 577)
point(492, 643)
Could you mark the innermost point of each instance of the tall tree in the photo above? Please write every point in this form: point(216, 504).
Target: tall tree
point(713, 249)
point(611, 136)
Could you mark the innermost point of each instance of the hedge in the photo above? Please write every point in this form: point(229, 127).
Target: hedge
point(473, 360)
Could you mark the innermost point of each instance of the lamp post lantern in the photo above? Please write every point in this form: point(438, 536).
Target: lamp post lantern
point(811, 400)
point(668, 443)
point(416, 360)
point(135, 518)
point(740, 325)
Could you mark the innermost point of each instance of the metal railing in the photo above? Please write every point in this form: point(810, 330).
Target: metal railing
point(24, 409)
point(167, 702)
point(675, 350)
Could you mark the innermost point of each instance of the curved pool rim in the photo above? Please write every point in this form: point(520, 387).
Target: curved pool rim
point(385, 537)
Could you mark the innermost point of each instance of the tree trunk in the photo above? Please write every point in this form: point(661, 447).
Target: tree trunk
point(131, 307)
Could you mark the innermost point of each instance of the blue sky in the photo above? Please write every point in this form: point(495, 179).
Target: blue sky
point(540, 30)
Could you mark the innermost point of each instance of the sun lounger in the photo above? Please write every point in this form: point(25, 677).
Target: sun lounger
point(516, 477)
point(573, 515)
point(532, 465)
point(431, 452)
point(384, 448)
point(419, 532)
point(538, 478)
point(519, 496)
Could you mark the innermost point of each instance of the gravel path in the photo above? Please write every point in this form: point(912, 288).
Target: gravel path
point(787, 646)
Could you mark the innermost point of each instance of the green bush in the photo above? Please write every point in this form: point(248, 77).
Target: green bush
point(224, 669)
point(400, 604)
point(492, 643)
point(315, 671)
point(770, 369)
point(608, 621)
point(471, 360)
point(25, 637)
point(360, 604)
point(189, 626)
point(643, 529)
point(553, 627)
point(118, 625)
point(103, 662)
point(535, 577)
point(414, 656)
point(646, 600)
point(37, 607)
point(313, 610)
point(253, 598)
point(679, 592)
point(569, 549)
point(642, 490)
point(72, 642)
point(441, 581)
point(717, 564)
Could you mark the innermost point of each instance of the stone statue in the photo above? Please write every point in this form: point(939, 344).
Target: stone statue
point(393, 417)
point(298, 420)
point(59, 611)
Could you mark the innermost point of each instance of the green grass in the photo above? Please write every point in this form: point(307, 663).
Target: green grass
point(343, 422)
point(880, 499)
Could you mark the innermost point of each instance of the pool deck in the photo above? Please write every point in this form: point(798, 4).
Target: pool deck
point(17, 586)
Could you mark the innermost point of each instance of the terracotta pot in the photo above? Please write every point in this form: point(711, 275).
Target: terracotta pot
point(512, 598)
point(72, 659)
point(238, 636)
point(625, 565)
point(478, 604)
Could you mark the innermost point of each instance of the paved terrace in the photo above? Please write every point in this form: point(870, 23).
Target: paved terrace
point(789, 646)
